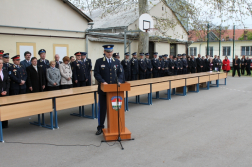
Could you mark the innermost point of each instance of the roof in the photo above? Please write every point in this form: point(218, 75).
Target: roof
point(78, 10)
point(114, 19)
point(129, 15)
point(201, 35)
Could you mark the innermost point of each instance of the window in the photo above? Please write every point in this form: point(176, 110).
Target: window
point(61, 49)
point(193, 51)
point(246, 50)
point(210, 50)
point(226, 50)
point(22, 47)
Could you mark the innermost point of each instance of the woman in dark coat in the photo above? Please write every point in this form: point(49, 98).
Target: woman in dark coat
point(35, 77)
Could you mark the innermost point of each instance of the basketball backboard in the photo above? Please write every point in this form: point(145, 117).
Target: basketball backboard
point(146, 22)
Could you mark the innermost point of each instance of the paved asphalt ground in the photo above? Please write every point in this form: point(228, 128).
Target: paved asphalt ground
point(210, 128)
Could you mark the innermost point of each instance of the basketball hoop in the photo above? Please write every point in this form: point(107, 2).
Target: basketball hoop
point(146, 22)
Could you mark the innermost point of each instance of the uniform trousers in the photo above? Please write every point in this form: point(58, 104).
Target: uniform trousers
point(142, 76)
point(184, 70)
point(80, 83)
point(102, 104)
point(155, 74)
point(148, 75)
point(127, 76)
point(193, 70)
point(133, 77)
point(17, 91)
point(248, 70)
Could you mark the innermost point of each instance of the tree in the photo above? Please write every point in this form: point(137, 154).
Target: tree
point(143, 42)
point(247, 35)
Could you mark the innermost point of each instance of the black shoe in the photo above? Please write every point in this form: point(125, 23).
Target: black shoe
point(99, 132)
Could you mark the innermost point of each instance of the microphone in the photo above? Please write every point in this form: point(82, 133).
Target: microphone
point(117, 82)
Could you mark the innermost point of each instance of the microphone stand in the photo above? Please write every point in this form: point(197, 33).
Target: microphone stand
point(117, 96)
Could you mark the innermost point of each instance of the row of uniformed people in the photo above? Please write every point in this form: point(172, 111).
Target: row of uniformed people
point(32, 75)
point(145, 68)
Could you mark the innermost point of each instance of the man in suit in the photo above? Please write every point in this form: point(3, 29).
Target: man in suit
point(18, 77)
point(72, 59)
point(155, 64)
point(4, 86)
point(206, 64)
point(1, 54)
point(142, 66)
point(27, 62)
point(43, 63)
point(243, 61)
point(134, 66)
point(200, 64)
point(171, 65)
point(88, 67)
point(175, 65)
point(218, 63)
point(57, 61)
point(6, 64)
point(35, 77)
point(148, 65)
point(80, 75)
point(193, 64)
point(105, 71)
point(236, 66)
point(248, 62)
point(126, 67)
point(185, 64)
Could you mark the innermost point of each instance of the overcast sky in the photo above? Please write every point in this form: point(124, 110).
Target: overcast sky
point(247, 21)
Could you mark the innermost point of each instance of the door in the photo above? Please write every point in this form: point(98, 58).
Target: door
point(173, 49)
point(151, 49)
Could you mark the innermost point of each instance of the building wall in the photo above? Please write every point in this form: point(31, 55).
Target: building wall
point(48, 14)
point(162, 48)
point(9, 44)
point(181, 48)
point(201, 47)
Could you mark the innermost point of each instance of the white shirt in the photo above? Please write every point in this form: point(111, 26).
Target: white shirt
point(84, 60)
point(36, 68)
point(109, 59)
point(1, 74)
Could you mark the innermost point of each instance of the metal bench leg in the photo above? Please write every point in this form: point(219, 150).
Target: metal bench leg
point(55, 114)
point(1, 132)
point(75, 114)
point(36, 123)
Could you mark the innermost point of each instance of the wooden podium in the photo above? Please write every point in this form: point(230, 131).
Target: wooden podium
point(111, 133)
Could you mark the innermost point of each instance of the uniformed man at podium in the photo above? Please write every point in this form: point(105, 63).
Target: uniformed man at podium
point(105, 71)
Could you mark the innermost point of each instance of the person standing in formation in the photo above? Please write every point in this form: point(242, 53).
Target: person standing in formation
point(57, 61)
point(149, 66)
point(35, 77)
point(236, 66)
point(18, 77)
point(66, 73)
point(243, 61)
point(126, 66)
point(142, 66)
point(248, 62)
point(53, 77)
point(155, 64)
point(226, 65)
point(134, 66)
point(27, 62)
